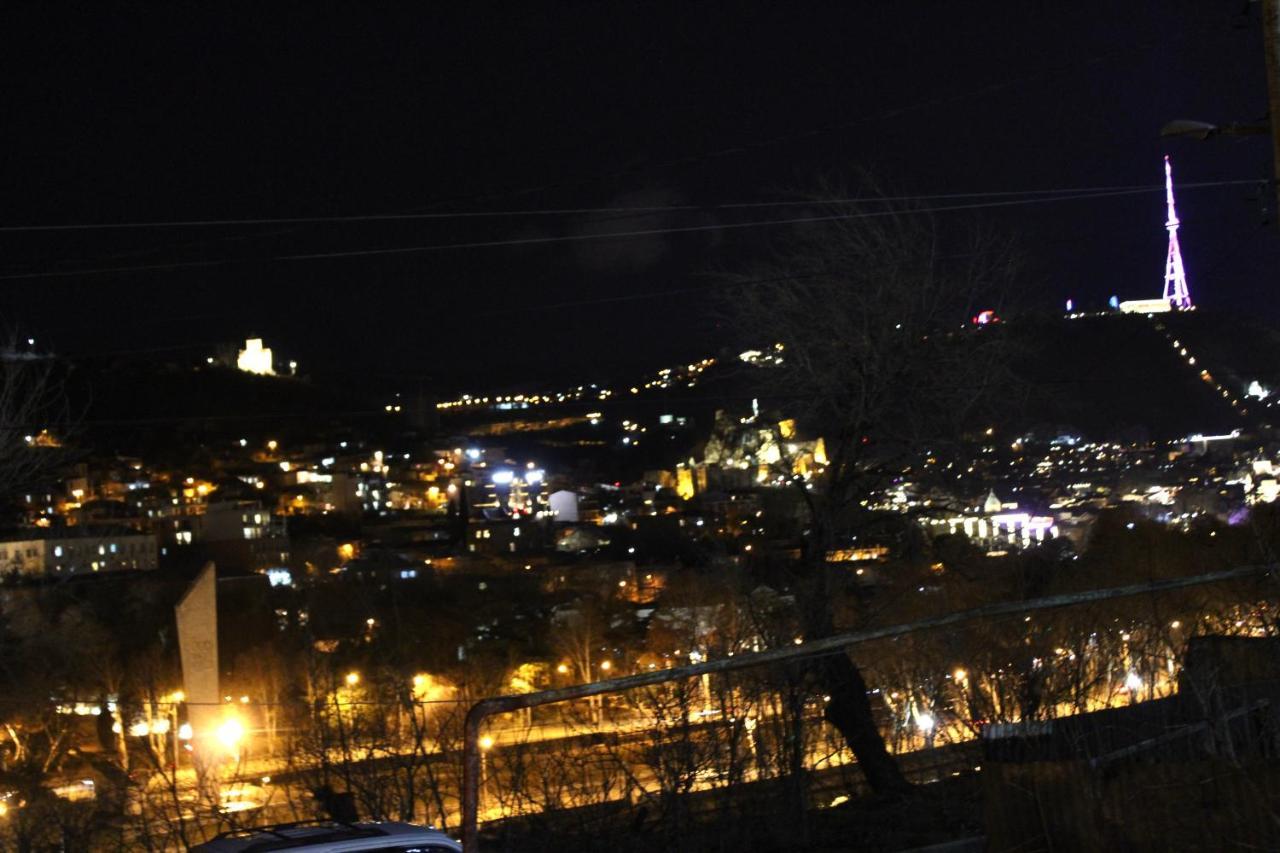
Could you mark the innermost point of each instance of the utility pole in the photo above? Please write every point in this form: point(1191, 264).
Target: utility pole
point(1271, 41)
point(1203, 130)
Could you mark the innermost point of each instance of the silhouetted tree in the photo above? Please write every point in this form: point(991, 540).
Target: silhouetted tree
point(34, 417)
point(865, 315)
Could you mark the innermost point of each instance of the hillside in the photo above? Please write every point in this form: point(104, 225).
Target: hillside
point(1110, 376)
point(134, 406)
point(1120, 375)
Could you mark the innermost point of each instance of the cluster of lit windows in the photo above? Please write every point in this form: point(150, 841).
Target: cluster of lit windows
point(110, 555)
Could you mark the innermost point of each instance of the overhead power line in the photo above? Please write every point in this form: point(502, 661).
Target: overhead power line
point(613, 235)
point(729, 226)
point(582, 211)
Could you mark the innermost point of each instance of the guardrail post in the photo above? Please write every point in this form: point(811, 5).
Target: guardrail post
point(471, 777)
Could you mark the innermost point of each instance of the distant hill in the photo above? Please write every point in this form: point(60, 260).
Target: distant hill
point(136, 404)
point(1107, 377)
point(1112, 376)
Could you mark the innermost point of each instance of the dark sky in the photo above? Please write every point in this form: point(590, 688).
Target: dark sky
point(268, 111)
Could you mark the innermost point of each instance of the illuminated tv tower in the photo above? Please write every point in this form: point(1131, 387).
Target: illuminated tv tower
point(1175, 277)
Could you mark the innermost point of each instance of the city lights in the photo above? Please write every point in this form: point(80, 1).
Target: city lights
point(944, 533)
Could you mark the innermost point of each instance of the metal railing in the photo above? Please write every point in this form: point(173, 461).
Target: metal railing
point(485, 708)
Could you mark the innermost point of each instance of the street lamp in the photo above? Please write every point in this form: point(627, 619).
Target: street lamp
point(1271, 64)
point(696, 657)
point(229, 734)
point(486, 744)
point(1202, 130)
point(927, 724)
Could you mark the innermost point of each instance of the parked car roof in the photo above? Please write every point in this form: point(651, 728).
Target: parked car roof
point(328, 836)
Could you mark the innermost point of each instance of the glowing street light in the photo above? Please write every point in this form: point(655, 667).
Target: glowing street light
point(352, 679)
point(927, 724)
point(230, 733)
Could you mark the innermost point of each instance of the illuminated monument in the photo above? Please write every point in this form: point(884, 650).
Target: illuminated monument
point(1176, 294)
point(1175, 277)
point(255, 358)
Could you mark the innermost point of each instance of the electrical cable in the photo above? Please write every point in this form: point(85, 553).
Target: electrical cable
point(571, 238)
point(578, 211)
point(803, 220)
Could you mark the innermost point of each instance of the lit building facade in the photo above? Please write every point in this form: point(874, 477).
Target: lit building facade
point(998, 526)
point(65, 553)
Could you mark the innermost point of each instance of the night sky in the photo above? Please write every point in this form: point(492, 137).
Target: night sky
point(263, 111)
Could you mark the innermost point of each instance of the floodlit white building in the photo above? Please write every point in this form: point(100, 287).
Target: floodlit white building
point(998, 525)
point(255, 358)
point(1145, 306)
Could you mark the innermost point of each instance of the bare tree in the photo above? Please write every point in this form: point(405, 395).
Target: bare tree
point(865, 324)
point(579, 639)
point(33, 417)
